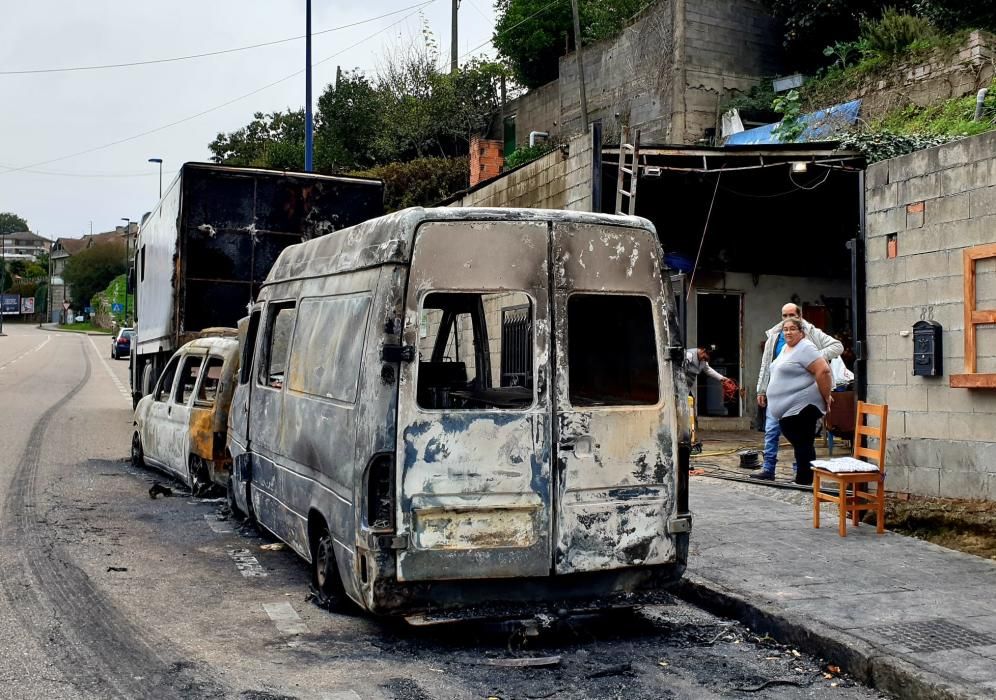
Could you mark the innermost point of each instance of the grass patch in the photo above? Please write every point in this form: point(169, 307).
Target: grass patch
point(86, 327)
point(950, 118)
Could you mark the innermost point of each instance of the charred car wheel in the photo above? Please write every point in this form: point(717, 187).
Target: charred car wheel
point(325, 574)
point(200, 478)
point(137, 454)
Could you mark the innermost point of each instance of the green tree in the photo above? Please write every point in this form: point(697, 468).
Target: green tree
point(12, 223)
point(351, 126)
point(91, 270)
point(532, 35)
point(273, 140)
point(419, 182)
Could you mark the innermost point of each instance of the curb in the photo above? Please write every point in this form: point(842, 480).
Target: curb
point(66, 330)
point(861, 660)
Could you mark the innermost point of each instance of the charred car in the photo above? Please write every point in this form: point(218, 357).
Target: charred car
point(180, 428)
point(449, 408)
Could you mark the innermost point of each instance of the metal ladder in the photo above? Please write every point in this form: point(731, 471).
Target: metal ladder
point(632, 170)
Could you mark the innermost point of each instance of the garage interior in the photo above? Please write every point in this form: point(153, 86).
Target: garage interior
point(747, 229)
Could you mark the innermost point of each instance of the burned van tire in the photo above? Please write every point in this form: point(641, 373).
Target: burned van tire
point(233, 505)
point(325, 579)
point(137, 453)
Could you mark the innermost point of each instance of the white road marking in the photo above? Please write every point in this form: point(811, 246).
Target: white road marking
point(110, 373)
point(36, 348)
point(285, 617)
point(246, 563)
point(220, 526)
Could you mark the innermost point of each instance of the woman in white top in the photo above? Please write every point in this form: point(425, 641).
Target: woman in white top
point(799, 393)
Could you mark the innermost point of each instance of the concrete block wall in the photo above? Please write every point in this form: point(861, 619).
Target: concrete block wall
point(728, 46)
point(943, 76)
point(667, 73)
point(936, 202)
point(557, 180)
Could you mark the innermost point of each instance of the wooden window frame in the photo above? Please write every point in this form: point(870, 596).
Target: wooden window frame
point(974, 317)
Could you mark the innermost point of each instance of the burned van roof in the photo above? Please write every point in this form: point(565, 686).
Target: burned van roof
point(388, 239)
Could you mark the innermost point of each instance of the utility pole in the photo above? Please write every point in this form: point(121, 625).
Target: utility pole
point(308, 133)
point(453, 38)
point(577, 52)
point(124, 319)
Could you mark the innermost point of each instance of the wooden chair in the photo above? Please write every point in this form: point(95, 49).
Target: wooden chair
point(854, 473)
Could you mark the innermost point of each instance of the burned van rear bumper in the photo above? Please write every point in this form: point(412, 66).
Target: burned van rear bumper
point(496, 598)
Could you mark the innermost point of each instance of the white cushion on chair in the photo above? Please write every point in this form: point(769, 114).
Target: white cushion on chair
point(841, 465)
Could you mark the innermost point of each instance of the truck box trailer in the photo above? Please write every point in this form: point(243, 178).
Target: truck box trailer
point(204, 251)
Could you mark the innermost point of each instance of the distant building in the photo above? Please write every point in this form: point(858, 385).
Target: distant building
point(65, 248)
point(24, 245)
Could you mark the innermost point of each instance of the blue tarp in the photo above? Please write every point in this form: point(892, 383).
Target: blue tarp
point(820, 126)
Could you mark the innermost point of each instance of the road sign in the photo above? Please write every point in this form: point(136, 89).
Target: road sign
point(88, 310)
point(65, 306)
point(117, 308)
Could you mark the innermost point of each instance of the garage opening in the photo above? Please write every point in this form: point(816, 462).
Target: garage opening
point(746, 229)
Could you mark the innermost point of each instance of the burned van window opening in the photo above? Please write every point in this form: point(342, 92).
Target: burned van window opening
point(612, 353)
point(188, 378)
point(166, 380)
point(465, 350)
point(279, 328)
point(248, 347)
point(208, 390)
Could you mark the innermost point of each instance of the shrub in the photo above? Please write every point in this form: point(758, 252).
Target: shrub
point(524, 154)
point(895, 33)
point(419, 182)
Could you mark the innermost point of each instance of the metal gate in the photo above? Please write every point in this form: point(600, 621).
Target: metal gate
point(516, 353)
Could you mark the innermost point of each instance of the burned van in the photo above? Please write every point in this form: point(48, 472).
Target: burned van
point(445, 408)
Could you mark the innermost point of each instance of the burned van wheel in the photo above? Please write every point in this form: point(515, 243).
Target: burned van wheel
point(325, 574)
point(233, 505)
point(137, 454)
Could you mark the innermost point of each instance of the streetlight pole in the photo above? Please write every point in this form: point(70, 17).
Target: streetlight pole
point(160, 161)
point(308, 128)
point(124, 321)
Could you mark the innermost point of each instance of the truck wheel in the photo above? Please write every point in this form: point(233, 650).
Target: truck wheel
point(137, 454)
point(325, 574)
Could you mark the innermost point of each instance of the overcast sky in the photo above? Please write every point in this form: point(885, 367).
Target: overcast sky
point(45, 117)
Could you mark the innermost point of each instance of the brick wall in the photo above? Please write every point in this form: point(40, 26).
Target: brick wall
point(557, 180)
point(941, 77)
point(486, 159)
point(937, 202)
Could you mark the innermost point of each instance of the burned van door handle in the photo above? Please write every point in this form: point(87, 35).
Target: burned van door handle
point(580, 446)
point(398, 353)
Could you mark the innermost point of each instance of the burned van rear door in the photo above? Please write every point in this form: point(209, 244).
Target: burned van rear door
point(474, 434)
point(614, 407)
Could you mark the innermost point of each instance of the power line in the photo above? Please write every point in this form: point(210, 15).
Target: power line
point(174, 59)
point(29, 168)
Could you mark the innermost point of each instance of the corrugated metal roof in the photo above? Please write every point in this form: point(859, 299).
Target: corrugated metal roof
point(820, 126)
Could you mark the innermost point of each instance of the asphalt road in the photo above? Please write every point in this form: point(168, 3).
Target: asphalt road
point(107, 593)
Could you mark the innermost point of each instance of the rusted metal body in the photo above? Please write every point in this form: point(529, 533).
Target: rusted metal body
point(203, 252)
point(374, 401)
point(183, 423)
